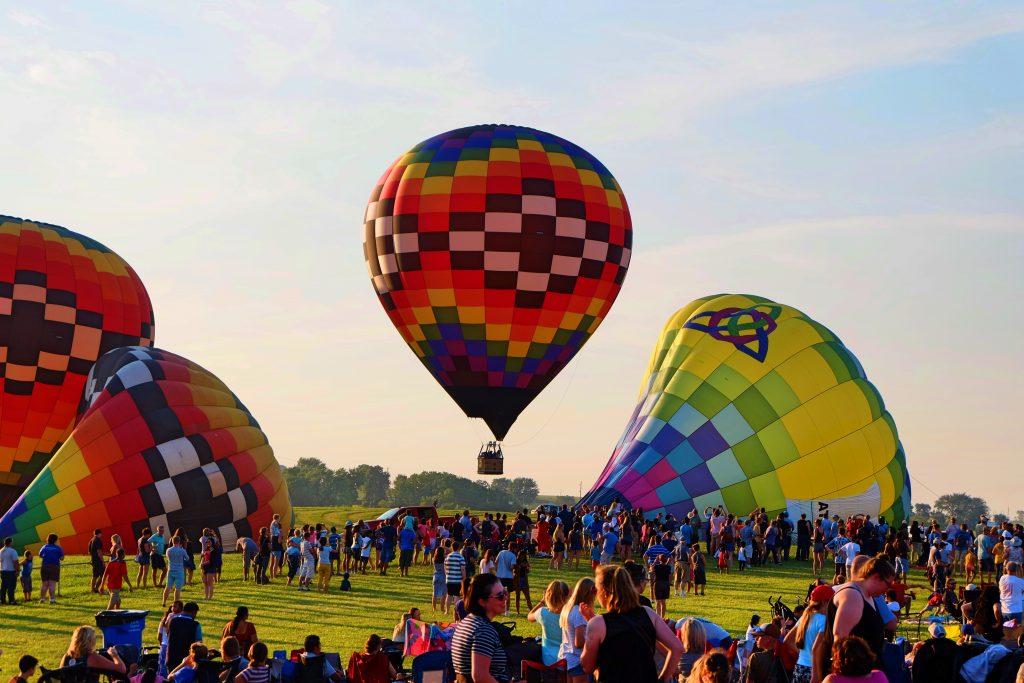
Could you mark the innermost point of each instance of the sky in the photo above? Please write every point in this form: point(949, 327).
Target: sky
point(862, 162)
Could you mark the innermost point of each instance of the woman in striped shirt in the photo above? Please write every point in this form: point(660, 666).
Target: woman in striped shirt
point(258, 670)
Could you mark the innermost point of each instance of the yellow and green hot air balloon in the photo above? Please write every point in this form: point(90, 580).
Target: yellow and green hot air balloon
point(749, 403)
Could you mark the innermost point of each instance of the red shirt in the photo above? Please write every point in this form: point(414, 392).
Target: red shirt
point(116, 571)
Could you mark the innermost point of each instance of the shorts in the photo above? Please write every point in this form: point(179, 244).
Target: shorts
point(278, 555)
point(142, 560)
point(405, 559)
point(987, 564)
point(176, 579)
point(662, 590)
point(293, 566)
point(509, 584)
point(50, 572)
point(157, 561)
point(97, 569)
point(577, 671)
point(594, 564)
point(387, 555)
point(440, 588)
point(26, 584)
point(335, 555)
point(306, 570)
point(606, 558)
point(454, 589)
point(115, 595)
point(819, 547)
point(902, 565)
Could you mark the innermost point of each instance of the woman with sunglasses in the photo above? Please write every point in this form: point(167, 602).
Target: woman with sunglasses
point(853, 610)
point(620, 644)
point(477, 654)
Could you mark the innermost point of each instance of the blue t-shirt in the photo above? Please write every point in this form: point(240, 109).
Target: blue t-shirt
point(176, 556)
point(551, 632)
point(159, 543)
point(610, 541)
point(51, 554)
point(883, 609)
point(595, 553)
point(26, 569)
point(814, 627)
point(406, 539)
point(985, 544)
point(333, 539)
point(185, 675)
point(596, 526)
point(387, 535)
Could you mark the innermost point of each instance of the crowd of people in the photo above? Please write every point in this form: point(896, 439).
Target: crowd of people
point(614, 622)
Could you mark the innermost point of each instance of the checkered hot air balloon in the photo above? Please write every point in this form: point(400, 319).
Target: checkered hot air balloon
point(497, 251)
point(748, 403)
point(160, 441)
point(65, 300)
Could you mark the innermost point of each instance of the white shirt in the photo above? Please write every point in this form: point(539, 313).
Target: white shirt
point(1011, 594)
point(850, 551)
point(8, 559)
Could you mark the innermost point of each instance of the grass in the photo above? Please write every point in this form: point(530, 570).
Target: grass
point(283, 616)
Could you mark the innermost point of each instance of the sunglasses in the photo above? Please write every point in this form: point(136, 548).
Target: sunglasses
point(499, 596)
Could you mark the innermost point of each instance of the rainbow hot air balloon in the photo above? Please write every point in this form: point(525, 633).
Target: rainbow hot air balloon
point(160, 441)
point(65, 300)
point(748, 403)
point(497, 251)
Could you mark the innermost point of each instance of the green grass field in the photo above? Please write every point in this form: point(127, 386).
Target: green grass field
point(283, 616)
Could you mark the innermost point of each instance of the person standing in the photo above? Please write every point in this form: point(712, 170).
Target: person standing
point(208, 565)
point(1011, 592)
point(8, 572)
point(159, 546)
point(96, 559)
point(455, 574)
point(803, 538)
point(176, 556)
point(406, 547)
point(182, 631)
point(143, 557)
point(505, 569)
point(115, 574)
point(50, 555)
point(323, 567)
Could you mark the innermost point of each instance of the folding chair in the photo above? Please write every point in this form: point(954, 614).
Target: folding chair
point(433, 667)
point(536, 672)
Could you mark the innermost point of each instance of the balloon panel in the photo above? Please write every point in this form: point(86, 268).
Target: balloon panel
point(161, 441)
point(496, 252)
point(65, 300)
point(750, 403)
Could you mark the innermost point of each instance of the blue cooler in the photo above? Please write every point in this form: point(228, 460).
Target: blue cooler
point(123, 628)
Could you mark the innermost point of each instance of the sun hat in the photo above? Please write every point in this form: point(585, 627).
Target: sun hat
point(937, 631)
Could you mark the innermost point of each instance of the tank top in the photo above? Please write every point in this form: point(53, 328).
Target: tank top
point(869, 627)
point(626, 654)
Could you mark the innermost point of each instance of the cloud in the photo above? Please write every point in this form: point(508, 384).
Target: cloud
point(26, 19)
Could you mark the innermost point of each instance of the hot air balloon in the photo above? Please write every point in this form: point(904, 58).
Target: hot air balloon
point(496, 251)
point(748, 403)
point(65, 300)
point(160, 441)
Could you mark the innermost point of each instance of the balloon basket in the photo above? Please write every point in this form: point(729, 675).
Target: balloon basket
point(490, 459)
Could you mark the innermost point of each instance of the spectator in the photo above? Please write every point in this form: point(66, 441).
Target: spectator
point(231, 653)
point(312, 656)
point(162, 635)
point(573, 622)
point(695, 642)
point(439, 587)
point(248, 549)
point(477, 653)
point(26, 576)
point(853, 660)
point(455, 573)
point(26, 669)
point(182, 631)
point(854, 611)
point(176, 556)
point(82, 650)
point(158, 543)
point(186, 671)
point(258, 670)
point(547, 612)
point(242, 629)
point(371, 665)
point(398, 633)
point(621, 643)
point(114, 576)
point(51, 556)
point(812, 622)
point(8, 572)
point(1011, 592)
point(766, 666)
point(95, 549)
point(714, 667)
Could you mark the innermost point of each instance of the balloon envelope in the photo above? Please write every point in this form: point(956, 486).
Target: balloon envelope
point(65, 300)
point(161, 441)
point(750, 403)
point(497, 251)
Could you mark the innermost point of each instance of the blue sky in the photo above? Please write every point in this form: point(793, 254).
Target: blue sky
point(861, 162)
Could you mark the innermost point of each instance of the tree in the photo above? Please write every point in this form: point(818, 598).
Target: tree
point(922, 511)
point(1019, 518)
point(999, 518)
point(371, 483)
point(960, 505)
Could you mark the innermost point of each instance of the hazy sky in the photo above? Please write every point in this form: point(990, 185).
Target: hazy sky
point(863, 163)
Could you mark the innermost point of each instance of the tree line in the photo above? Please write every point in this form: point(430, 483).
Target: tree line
point(312, 483)
point(962, 506)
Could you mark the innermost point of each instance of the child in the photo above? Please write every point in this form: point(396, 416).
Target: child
point(26, 575)
point(294, 557)
point(852, 661)
point(595, 552)
point(741, 556)
point(346, 585)
point(970, 565)
point(258, 670)
point(997, 557)
point(699, 575)
point(364, 553)
point(114, 575)
point(27, 667)
point(723, 561)
point(661, 573)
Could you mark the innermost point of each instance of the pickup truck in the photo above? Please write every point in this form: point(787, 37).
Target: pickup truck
point(426, 512)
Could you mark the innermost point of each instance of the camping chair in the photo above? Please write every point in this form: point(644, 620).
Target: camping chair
point(81, 674)
point(312, 670)
point(537, 672)
point(433, 667)
point(211, 671)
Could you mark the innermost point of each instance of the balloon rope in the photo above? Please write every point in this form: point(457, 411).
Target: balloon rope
point(554, 412)
point(923, 484)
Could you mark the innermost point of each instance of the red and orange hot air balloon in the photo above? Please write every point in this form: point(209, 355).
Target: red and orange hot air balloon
point(497, 251)
point(65, 300)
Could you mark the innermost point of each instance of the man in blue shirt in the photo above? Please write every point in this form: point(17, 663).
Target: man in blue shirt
point(156, 561)
point(406, 545)
point(176, 556)
point(388, 536)
point(611, 542)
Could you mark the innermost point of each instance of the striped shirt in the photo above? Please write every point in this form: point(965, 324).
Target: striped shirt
point(652, 553)
point(257, 674)
point(453, 565)
point(475, 635)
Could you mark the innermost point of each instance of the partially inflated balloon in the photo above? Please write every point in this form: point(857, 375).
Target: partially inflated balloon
point(160, 441)
point(496, 252)
point(65, 300)
point(750, 403)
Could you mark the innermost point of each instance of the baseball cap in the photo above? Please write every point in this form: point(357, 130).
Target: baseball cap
point(348, 524)
point(971, 587)
point(822, 593)
point(1007, 534)
point(771, 631)
point(937, 631)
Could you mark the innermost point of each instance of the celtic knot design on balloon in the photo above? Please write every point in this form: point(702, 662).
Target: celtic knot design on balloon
point(745, 328)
